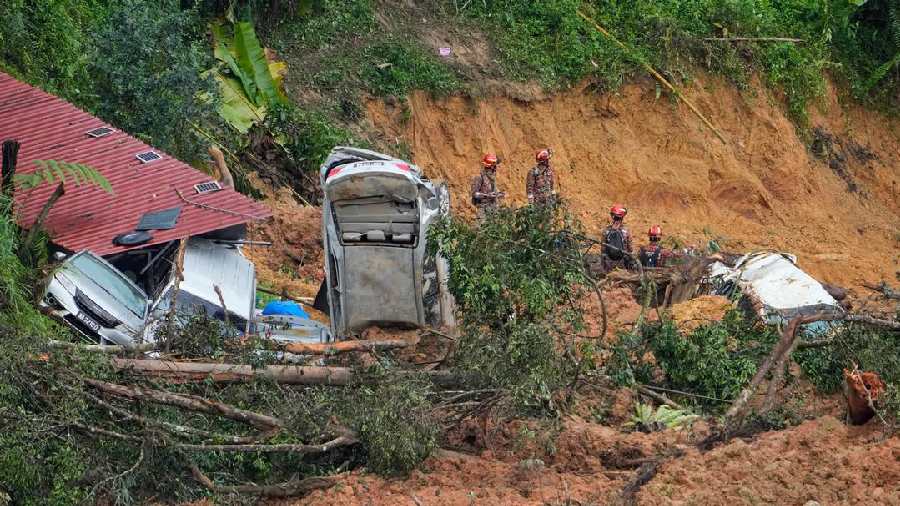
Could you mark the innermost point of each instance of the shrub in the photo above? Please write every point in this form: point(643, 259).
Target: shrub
point(147, 70)
point(396, 428)
point(716, 360)
point(516, 278)
point(395, 67)
point(49, 42)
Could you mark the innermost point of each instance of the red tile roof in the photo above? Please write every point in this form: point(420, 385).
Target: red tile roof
point(87, 217)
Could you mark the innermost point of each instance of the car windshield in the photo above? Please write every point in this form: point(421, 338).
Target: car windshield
point(112, 282)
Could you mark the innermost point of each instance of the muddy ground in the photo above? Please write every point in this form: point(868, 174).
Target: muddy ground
point(831, 198)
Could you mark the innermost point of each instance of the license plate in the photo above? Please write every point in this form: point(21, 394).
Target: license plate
point(87, 320)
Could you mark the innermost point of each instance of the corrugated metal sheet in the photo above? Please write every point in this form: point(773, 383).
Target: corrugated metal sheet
point(87, 217)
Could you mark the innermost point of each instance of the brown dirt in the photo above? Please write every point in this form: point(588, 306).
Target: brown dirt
point(820, 460)
point(693, 313)
point(294, 262)
point(838, 211)
point(762, 190)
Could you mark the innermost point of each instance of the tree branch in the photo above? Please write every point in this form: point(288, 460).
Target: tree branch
point(784, 345)
point(189, 402)
point(284, 489)
point(303, 449)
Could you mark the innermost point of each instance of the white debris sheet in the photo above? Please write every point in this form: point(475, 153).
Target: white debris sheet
point(776, 288)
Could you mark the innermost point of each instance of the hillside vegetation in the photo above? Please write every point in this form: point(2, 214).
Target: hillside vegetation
point(276, 84)
point(142, 65)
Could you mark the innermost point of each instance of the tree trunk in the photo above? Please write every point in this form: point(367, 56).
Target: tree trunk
point(41, 217)
point(232, 373)
point(10, 158)
point(189, 402)
point(345, 346)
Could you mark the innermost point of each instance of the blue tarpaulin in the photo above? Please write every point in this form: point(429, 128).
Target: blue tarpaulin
point(284, 307)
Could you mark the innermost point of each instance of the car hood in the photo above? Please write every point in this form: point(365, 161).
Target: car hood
point(103, 298)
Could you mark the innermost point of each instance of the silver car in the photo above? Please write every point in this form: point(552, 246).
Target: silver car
point(375, 217)
point(97, 300)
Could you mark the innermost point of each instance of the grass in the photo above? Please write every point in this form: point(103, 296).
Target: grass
point(344, 52)
point(549, 42)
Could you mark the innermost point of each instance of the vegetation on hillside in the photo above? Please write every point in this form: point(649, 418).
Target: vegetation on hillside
point(143, 65)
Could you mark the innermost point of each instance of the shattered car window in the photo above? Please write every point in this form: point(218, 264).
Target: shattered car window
point(111, 282)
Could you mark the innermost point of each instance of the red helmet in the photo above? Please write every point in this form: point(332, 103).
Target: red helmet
point(618, 211)
point(542, 155)
point(489, 160)
point(655, 232)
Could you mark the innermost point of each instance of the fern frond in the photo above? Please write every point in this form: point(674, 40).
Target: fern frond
point(50, 171)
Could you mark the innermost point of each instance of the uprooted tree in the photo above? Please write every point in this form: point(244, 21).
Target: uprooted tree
point(79, 423)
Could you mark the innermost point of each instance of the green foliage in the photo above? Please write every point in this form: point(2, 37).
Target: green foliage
point(52, 171)
point(344, 52)
point(147, 68)
point(871, 349)
point(396, 427)
point(716, 360)
point(646, 419)
point(515, 278)
point(248, 81)
point(550, 42)
point(17, 283)
point(49, 42)
point(395, 67)
point(306, 135)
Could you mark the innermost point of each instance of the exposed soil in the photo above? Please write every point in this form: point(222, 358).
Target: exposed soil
point(586, 463)
point(764, 189)
point(821, 460)
point(294, 262)
point(834, 204)
point(693, 313)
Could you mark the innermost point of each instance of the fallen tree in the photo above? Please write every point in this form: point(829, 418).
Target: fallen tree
point(282, 374)
point(345, 346)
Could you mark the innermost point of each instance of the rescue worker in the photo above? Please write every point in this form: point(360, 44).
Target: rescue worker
point(653, 254)
point(539, 184)
point(615, 250)
point(485, 196)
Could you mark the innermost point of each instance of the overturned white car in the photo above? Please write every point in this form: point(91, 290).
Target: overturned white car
point(375, 218)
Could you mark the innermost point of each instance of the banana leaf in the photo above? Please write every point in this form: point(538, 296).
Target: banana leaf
point(252, 59)
point(235, 107)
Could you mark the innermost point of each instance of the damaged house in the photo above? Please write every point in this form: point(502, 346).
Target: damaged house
point(119, 249)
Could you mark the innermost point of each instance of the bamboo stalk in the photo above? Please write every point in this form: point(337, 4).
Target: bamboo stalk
point(657, 75)
point(753, 39)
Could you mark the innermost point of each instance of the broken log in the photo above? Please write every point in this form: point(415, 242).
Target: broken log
point(302, 300)
point(226, 373)
point(889, 324)
point(284, 374)
point(189, 402)
point(284, 489)
point(38, 223)
point(103, 348)
point(345, 346)
point(644, 474)
point(225, 177)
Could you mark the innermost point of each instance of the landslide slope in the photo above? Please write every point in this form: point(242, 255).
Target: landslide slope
point(833, 198)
